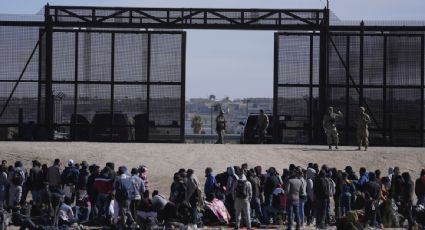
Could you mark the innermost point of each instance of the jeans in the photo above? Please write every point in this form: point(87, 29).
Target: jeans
point(102, 204)
point(345, 205)
point(309, 211)
point(256, 208)
point(36, 196)
point(293, 209)
point(301, 210)
point(82, 214)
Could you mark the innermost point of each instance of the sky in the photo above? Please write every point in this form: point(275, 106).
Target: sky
point(238, 64)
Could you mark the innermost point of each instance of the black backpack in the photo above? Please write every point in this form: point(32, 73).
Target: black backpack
point(241, 189)
point(17, 178)
point(70, 177)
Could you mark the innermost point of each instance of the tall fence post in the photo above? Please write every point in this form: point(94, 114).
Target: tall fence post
point(48, 71)
point(323, 69)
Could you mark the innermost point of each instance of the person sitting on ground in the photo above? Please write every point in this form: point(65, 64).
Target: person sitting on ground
point(66, 215)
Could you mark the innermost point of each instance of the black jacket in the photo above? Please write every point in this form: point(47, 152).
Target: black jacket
point(35, 179)
point(372, 190)
point(320, 188)
point(419, 187)
point(82, 179)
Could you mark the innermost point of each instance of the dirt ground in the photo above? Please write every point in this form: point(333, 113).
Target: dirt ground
point(163, 160)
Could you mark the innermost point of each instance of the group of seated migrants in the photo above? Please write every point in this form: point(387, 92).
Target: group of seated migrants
point(88, 195)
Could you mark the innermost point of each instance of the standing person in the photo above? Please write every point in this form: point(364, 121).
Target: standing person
point(309, 205)
point(35, 181)
point(103, 185)
point(362, 122)
point(420, 188)
point(83, 177)
point(406, 200)
point(255, 201)
point(91, 191)
point(137, 190)
point(242, 194)
point(329, 126)
point(193, 195)
point(16, 182)
point(303, 195)
point(347, 192)
point(321, 194)
point(69, 180)
point(220, 127)
point(122, 194)
point(143, 173)
point(3, 185)
point(54, 176)
point(396, 182)
point(372, 191)
point(210, 182)
point(293, 192)
point(262, 124)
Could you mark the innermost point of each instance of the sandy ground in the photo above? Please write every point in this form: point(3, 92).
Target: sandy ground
point(163, 160)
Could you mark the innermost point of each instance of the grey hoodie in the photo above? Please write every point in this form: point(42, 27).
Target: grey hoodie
point(232, 175)
point(310, 174)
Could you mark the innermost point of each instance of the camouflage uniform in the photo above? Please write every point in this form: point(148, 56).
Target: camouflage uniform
point(329, 125)
point(220, 127)
point(262, 124)
point(362, 128)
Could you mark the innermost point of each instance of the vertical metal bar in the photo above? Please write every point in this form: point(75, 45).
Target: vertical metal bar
point(93, 15)
point(73, 123)
point(422, 89)
point(276, 125)
point(310, 114)
point(384, 93)
point(112, 83)
point(40, 61)
point(183, 87)
point(361, 100)
point(130, 15)
point(48, 72)
point(323, 68)
point(347, 91)
point(148, 84)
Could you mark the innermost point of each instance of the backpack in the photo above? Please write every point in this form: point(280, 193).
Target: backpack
point(17, 177)
point(279, 201)
point(241, 189)
point(70, 177)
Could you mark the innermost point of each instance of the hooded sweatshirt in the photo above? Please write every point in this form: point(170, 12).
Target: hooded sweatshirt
point(230, 179)
point(310, 174)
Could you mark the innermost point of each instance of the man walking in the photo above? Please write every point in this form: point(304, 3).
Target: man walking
point(329, 125)
point(220, 127)
point(262, 124)
point(362, 128)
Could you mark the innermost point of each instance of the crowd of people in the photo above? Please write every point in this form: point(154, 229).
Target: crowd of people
point(83, 194)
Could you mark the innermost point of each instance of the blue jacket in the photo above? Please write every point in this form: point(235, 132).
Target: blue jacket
point(362, 181)
point(209, 184)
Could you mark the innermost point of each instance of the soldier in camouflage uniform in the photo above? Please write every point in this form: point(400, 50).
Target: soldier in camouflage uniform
point(220, 127)
point(329, 125)
point(362, 128)
point(262, 124)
